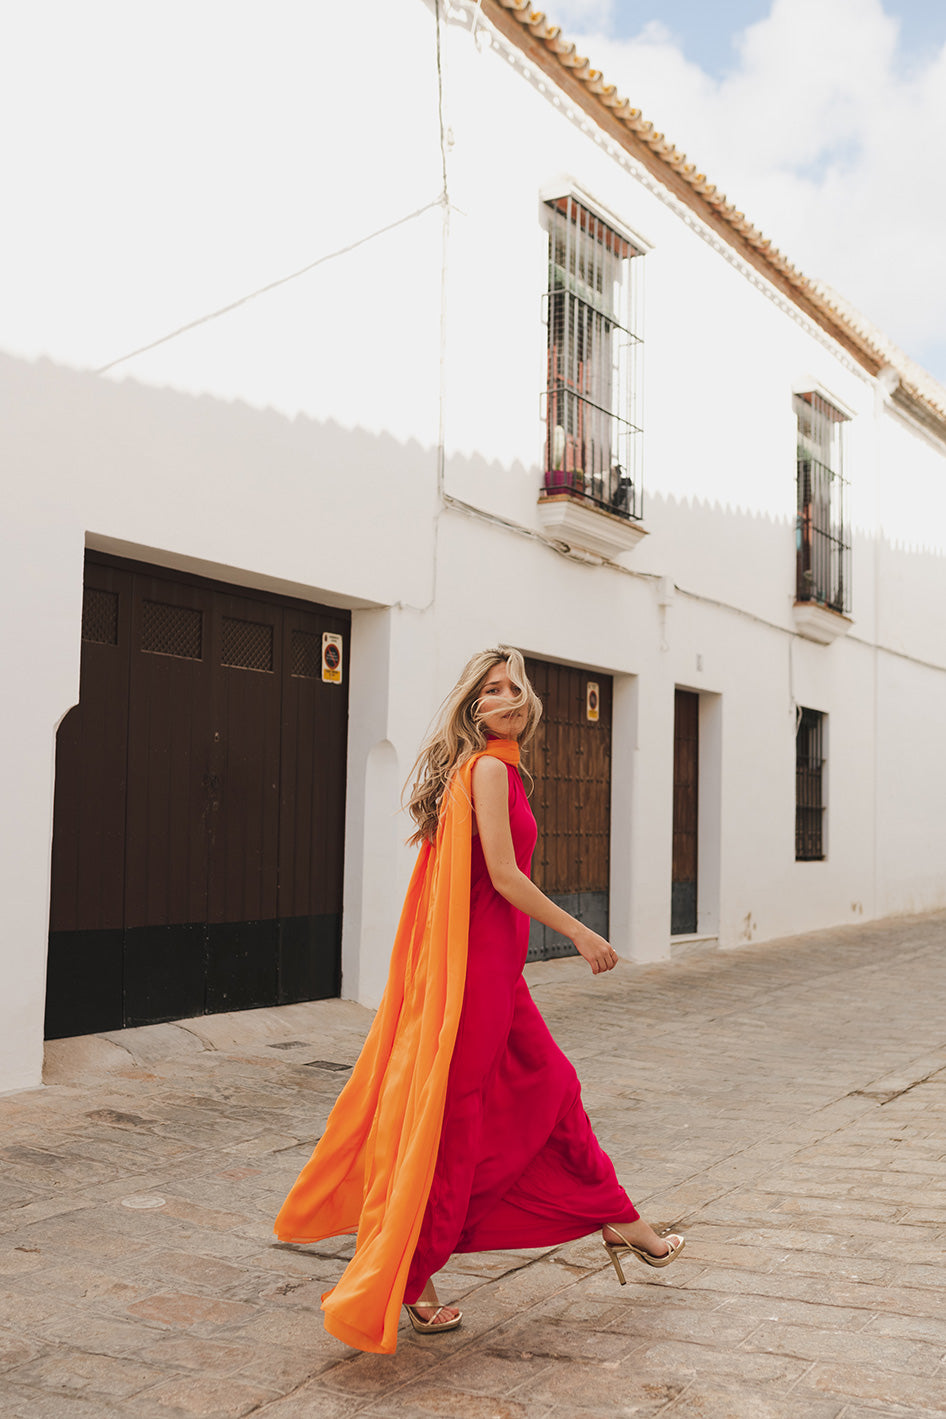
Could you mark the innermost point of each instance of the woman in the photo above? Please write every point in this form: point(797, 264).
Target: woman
point(462, 1128)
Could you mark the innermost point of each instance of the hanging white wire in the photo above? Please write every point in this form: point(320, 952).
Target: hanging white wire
point(271, 286)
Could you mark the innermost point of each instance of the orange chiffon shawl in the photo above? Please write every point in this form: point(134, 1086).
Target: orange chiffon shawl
point(372, 1169)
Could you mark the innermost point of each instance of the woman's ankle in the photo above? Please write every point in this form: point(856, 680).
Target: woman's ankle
point(638, 1233)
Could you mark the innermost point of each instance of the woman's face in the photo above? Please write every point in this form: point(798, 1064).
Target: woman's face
point(496, 691)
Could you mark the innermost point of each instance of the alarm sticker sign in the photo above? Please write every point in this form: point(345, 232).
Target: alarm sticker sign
point(331, 658)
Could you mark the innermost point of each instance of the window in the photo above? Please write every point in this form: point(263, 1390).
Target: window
point(592, 447)
point(809, 786)
point(822, 536)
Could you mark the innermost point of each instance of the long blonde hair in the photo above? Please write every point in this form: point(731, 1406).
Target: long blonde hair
point(457, 734)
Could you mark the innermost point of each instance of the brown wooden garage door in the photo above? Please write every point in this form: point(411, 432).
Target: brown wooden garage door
point(570, 760)
point(199, 810)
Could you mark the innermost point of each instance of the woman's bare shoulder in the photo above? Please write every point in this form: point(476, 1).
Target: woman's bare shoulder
point(487, 767)
point(488, 770)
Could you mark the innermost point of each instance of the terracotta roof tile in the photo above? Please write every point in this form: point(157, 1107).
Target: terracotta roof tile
point(542, 41)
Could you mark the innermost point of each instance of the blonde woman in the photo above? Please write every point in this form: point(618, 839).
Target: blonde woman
point(462, 1127)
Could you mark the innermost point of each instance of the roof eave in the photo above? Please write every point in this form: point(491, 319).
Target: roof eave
point(542, 43)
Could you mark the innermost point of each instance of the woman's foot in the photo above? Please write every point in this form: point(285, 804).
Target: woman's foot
point(639, 1234)
point(640, 1240)
point(428, 1309)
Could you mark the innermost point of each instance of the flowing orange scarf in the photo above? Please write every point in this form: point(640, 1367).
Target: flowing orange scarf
point(372, 1169)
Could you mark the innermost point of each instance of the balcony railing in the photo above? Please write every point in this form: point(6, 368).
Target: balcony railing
point(822, 538)
point(591, 454)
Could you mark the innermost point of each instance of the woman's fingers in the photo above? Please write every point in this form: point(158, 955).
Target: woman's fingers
point(605, 962)
point(600, 954)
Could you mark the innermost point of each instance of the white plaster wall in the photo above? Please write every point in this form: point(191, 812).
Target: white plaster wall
point(721, 358)
point(289, 445)
point(494, 585)
point(722, 361)
point(910, 549)
point(293, 446)
point(911, 784)
point(393, 690)
point(221, 489)
point(228, 148)
point(39, 646)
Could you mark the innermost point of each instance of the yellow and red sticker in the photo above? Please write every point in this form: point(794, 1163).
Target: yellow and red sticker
point(331, 658)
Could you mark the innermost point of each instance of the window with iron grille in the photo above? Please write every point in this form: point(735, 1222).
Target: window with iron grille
point(822, 537)
point(809, 786)
point(592, 448)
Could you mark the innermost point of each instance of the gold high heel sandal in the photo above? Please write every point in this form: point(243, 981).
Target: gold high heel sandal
point(616, 1250)
point(433, 1326)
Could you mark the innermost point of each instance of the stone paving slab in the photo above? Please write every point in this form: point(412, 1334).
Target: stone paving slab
point(784, 1105)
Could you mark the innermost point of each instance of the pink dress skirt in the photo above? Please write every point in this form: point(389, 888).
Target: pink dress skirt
point(519, 1164)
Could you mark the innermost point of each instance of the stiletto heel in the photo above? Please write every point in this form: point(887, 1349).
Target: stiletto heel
point(613, 1254)
point(616, 1250)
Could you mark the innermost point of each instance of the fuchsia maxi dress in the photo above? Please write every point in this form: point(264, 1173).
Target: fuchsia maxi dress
point(518, 1163)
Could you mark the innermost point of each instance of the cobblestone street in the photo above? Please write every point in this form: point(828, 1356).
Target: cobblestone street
point(784, 1106)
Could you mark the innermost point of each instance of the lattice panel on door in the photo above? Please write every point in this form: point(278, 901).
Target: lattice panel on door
point(306, 655)
point(171, 630)
point(100, 616)
point(247, 645)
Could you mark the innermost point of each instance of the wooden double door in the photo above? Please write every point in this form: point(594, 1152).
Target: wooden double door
point(199, 806)
point(570, 761)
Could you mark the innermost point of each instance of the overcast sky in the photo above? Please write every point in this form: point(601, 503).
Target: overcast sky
point(823, 120)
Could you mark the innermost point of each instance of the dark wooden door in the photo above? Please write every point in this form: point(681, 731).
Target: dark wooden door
point(686, 774)
point(570, 761)
point(197, 847)
point(168, 822)
point(311, 813)
point(84, 971)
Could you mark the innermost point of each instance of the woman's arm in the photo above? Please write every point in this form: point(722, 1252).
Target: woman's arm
point(491, 804)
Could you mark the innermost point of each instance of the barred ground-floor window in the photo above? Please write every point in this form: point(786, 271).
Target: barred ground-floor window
point(810, 737)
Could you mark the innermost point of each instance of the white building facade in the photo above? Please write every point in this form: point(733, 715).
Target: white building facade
point(661, 459)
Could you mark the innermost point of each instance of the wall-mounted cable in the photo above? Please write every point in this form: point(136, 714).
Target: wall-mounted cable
point(273, 285)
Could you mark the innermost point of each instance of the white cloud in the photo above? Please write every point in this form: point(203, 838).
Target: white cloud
point(826, 140)
point(584, 16)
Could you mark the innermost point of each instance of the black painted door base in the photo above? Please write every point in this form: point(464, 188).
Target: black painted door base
point(682, 908)
point(109, 980)
point(591, 909)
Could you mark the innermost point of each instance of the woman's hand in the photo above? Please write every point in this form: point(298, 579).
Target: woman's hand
point(597, 952)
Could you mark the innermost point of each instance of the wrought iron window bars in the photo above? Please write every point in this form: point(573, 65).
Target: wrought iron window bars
point(592, 447)
point(822, 530)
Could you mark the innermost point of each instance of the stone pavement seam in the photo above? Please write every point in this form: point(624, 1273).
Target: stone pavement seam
point(784, 1104)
